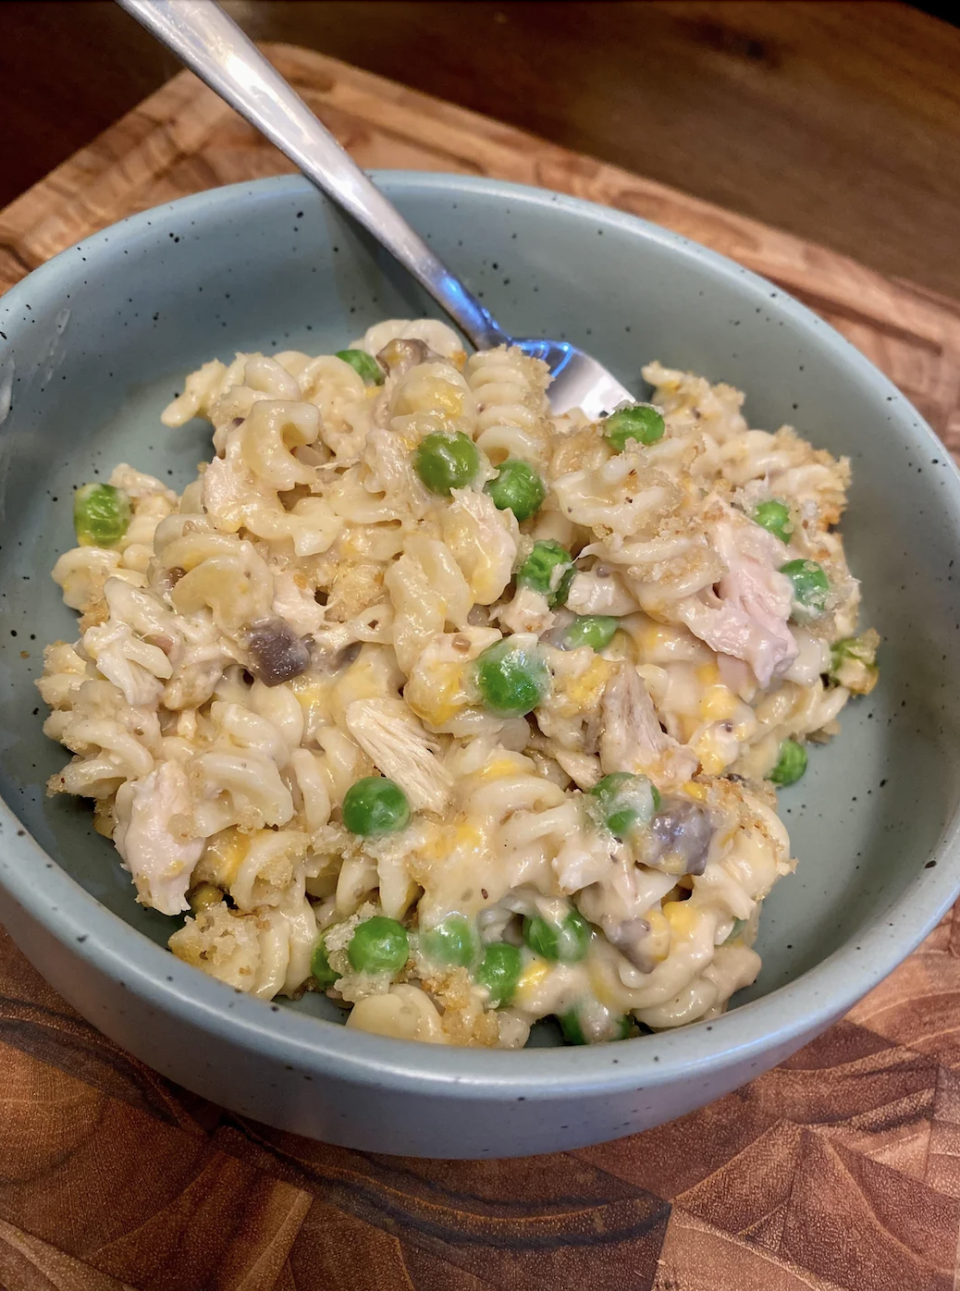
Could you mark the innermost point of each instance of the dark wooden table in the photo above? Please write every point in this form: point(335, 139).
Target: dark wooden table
point(839, 122)
point(839, 1171)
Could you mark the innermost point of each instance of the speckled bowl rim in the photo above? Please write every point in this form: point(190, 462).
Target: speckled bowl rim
point(787, 1014)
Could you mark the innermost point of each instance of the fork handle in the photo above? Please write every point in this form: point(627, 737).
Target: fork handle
point(211, 44)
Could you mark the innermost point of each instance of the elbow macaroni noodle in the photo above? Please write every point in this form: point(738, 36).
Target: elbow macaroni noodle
point(308, 614)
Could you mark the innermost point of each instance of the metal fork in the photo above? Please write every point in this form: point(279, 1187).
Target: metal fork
point(213, 46)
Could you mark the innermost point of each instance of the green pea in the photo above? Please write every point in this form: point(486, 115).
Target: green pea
point(774, 516)
point(625, 801)
point(594, 630)
point(500, 972)
point(735, 931)
point(375, 805)
point(454, 942)
point(853, 662)
point(791, 764)
point(379, 945)
point(101, 514)
point(563, 587)
point(517, 488)
point(567, 941)
point(203, 896)
point(810, 585)
point(446, 462)
point(541, 568)
point(640, 421)
point(364, 364)
point(512, 681)
point(320, 967)
point(860, 650)
point(571, 1028)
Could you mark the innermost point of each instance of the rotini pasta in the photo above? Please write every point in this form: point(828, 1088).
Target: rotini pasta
point(466, 714)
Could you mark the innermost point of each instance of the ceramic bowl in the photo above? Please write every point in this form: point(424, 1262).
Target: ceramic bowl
point(93, 346)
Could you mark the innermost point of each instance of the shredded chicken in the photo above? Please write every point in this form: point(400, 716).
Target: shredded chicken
point(631, 738)
point(600, 591)
point(528, 611)
point(227, 489)
point(152, 836)
point(395, 741)
point(293, 600)
point(483, 541)
point(750, 617)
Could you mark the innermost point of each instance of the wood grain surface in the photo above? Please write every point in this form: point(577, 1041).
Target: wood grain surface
point(835, 119)
point(838, 1171)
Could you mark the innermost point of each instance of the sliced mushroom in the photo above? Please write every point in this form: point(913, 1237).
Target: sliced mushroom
point(398, 356)
point(685, 829)
point(277, 654)
point(342, 658)
point(613, 907)
point(632, 939)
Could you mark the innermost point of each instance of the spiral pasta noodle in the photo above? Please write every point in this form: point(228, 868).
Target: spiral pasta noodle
point(511, 406)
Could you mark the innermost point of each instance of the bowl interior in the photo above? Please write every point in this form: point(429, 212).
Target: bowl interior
point(115, 324)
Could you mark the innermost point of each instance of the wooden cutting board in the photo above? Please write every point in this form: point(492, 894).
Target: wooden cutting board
point(839, 1171)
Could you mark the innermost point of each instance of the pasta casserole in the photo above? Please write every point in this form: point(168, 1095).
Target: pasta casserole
point(464, 713)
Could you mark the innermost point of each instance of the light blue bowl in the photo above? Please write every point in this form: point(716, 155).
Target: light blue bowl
point(93, 346)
